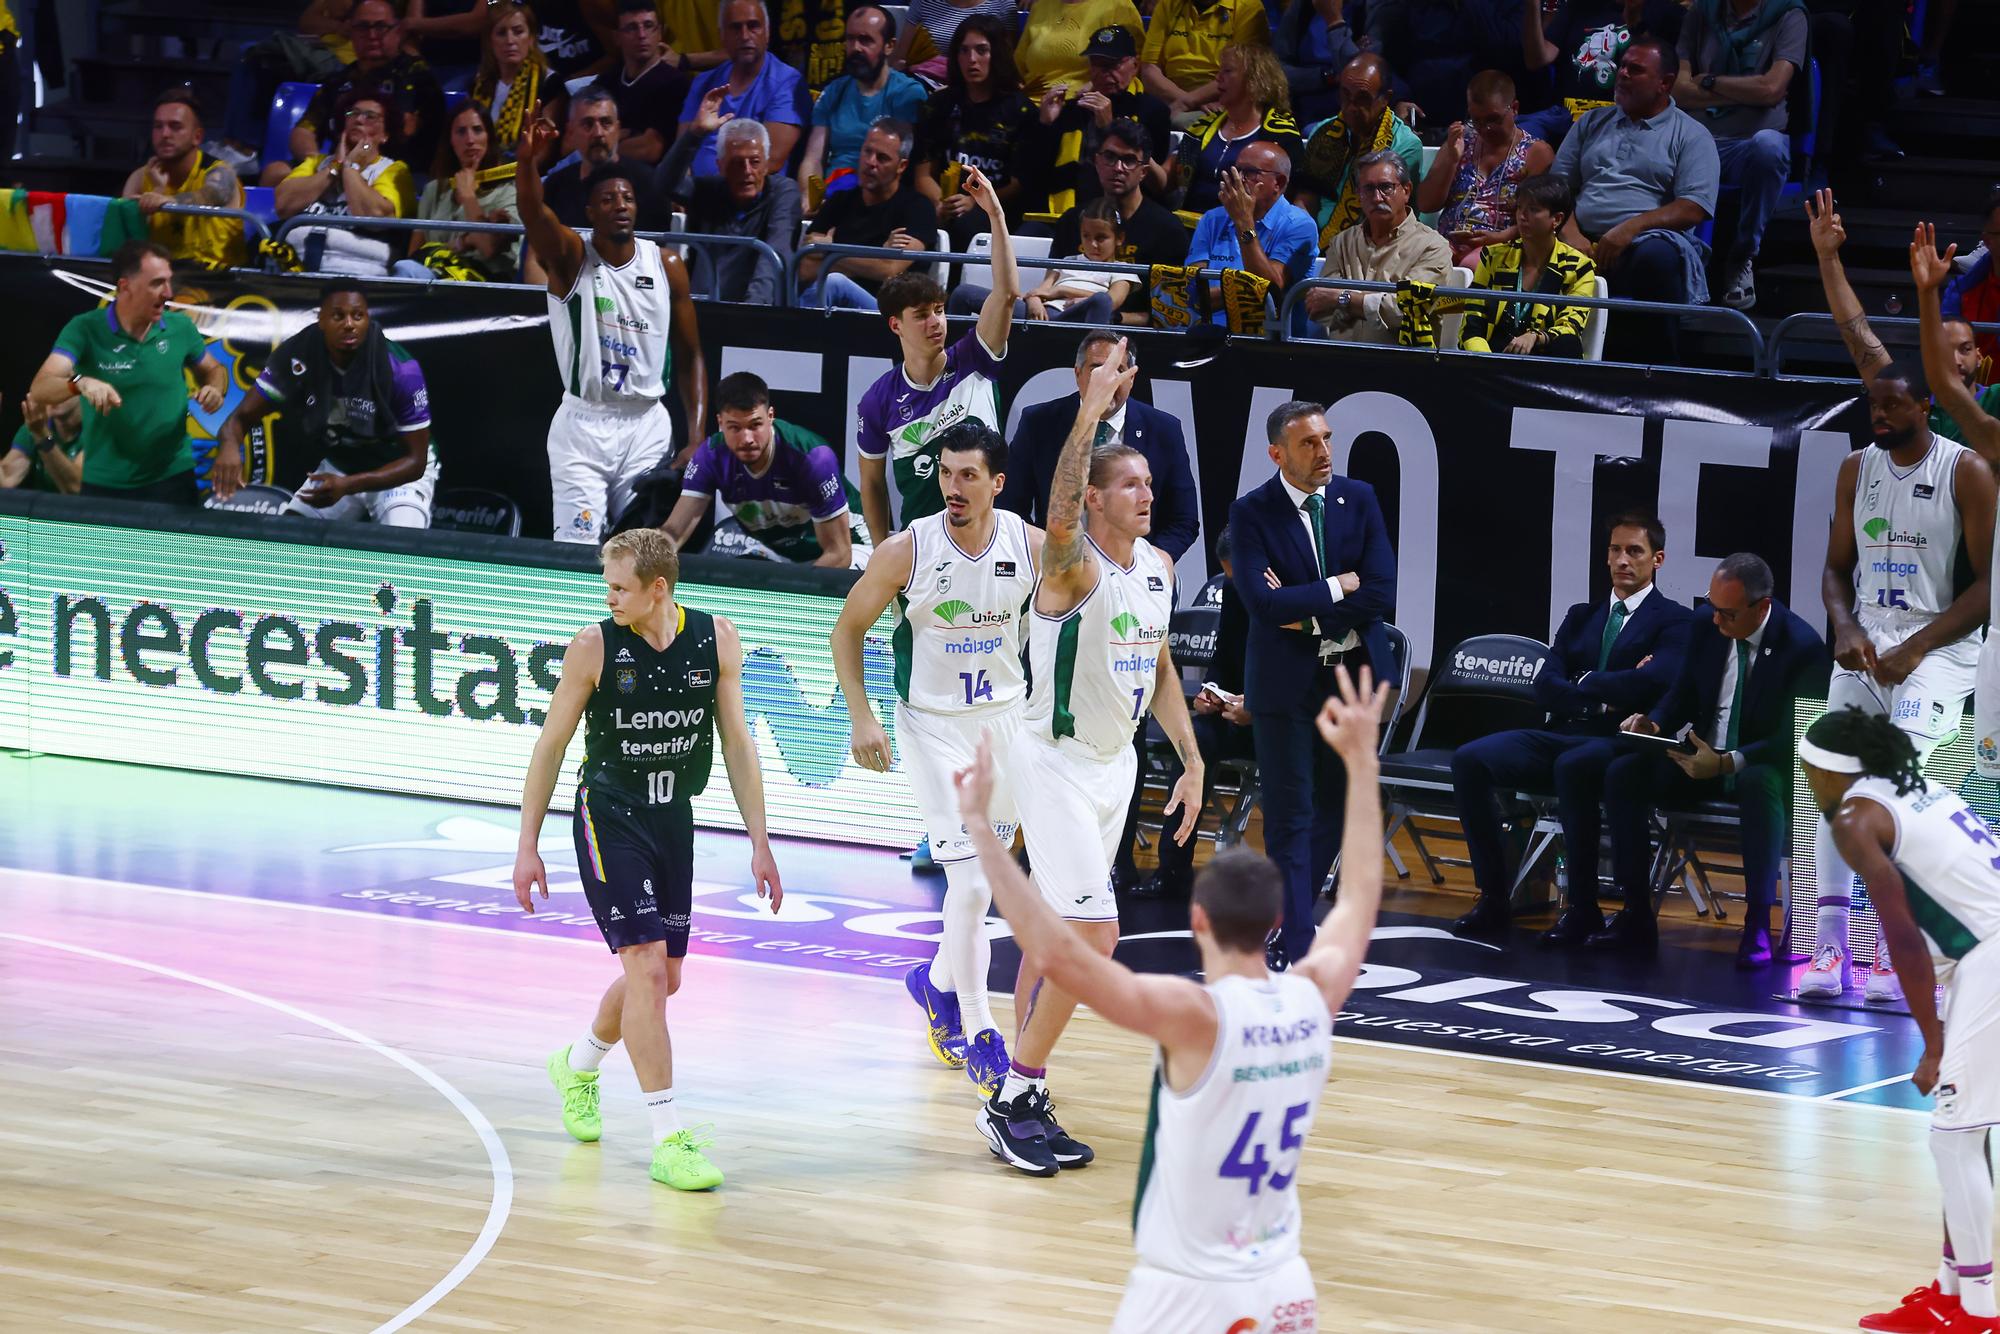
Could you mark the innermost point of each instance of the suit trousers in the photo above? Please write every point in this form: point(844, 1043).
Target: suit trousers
point(1304, 787)
point(1571, 767)
point(1639, 783)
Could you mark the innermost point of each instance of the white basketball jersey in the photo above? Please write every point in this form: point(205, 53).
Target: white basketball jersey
point(610, 332)
point(1094, 667)
point(1950, 862)
point(958, 642)
point(1218, 1193)
point(1906, 531)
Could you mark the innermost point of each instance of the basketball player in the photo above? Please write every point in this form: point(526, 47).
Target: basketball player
point(1098, 640)
point(1932, 868)
point(619, 315)
point(1241, 1062)
point(652, 684)
point(1905, 646)
point(960, 581)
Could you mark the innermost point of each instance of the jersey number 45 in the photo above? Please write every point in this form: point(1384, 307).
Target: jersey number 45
point(1248, 1160)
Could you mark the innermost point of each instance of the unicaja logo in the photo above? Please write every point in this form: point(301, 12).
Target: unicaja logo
point(1878, 530)
point(949, 612)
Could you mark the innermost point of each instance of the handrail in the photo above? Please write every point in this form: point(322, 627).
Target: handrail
point(1799, 319)
point(248, 219)
point(1296, 293)
point(935, 257)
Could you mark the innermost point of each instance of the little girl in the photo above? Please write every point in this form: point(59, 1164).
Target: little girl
point(1085, 296)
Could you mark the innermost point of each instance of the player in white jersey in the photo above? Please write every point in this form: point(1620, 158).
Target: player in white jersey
point(1932, 868)
point(960, 580)
point(1097, 641)
point(622, 320)
point(1242, 1056)
point(1905, 644)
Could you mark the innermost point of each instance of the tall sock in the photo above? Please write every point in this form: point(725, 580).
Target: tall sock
point(665, 1116)
point(1836, 887)
point(1966, 1182)
point(588, 1052)
point(964, 948)
point(1022, 1079)
point(1948, 1269)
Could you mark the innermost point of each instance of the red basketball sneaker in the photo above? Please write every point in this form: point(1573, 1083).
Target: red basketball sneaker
point(1925, 1311)
point(1961, 1322)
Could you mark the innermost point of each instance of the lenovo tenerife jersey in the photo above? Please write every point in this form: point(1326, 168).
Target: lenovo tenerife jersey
point(1218, 1190)
point(1950, 863)
point(899, 419)
point(610, 332)
point(649, 729)
point(1906, 531)
point(958, 642)
point(1094, 668)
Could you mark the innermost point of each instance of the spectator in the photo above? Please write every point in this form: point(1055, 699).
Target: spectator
point(595, 129)
point(1053, 44)
point(360, 401)
point(356, 180)
point(139, 449)
point(49, 449)
point(1609, 658)
point(1314, 43)
point(1438, 45)
point(1388, 245)
point(1113, 59)
point(180, 173)
point(576, 37)
point(780, 482)
point(1537, 262)
point(1254, 228)
point(1582, 43)
point(1961, 411)
point(400, 84)
point(1149, 233)
point(692, 30)
point(1183, 51)
point(1645, 175)
point(940, 19)
point(1085, 296)
point(513, 81)
point(755, 86)
point(746, 199)
point(1974, 294)
point(1484, 158)
point(978, 119)
point(1253, 106)
point(469, 183)
point(1736, 68)
point(879, 211)
point(447, 32)
point(868, 91)
point(1747, 669)
point(1367, 123)
point(650, 86)
point(813, 41)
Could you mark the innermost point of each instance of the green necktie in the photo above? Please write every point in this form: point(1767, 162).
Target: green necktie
point(1316, 509)
point(1734, 731)
point(1104, 434)
point(1611, 629)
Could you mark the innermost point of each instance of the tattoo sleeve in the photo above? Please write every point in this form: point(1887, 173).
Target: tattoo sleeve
point(1862, 344)
point(1063, 547)
point(218, 187)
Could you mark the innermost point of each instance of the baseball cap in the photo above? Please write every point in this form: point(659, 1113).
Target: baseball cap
point(1113, 43)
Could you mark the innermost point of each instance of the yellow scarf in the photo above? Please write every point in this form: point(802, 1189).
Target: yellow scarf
point(1330, 157)
point(523, 96)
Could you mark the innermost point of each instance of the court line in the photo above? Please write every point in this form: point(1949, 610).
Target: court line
point(496, 1153)
point(1863, 1088)
point(1489, 1057)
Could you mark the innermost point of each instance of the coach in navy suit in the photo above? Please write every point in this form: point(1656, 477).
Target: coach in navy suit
point(1745, 671)
point(1317, 576)
point(1612, 657)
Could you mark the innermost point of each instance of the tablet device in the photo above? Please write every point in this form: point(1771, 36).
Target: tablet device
point(1680, 740)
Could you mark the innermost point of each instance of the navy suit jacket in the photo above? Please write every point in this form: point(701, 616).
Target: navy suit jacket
point(1038, 442)
point(1584, 700)
point(1281, 667)
point(1791, 661)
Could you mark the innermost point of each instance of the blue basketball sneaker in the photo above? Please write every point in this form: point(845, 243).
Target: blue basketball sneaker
point(986, 1061)
point(947, 1037)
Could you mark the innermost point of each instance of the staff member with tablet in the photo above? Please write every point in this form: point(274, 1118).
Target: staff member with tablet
point(1733, 703)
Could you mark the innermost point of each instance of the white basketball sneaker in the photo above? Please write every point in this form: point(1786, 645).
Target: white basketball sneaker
point(1884, 988)
point(1826, 977)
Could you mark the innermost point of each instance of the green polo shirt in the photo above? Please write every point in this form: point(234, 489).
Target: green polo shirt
point(25, 441)
point(1942, 423)
point(145, 440)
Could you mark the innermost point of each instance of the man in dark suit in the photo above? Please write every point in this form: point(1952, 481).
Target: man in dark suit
point(1317, 576)
point(1031, 467)
point(1611, 657)
point(1737, 691)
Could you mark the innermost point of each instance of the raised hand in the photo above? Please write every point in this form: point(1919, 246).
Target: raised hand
point(1107, 378)
point(1827, 233)
point(536, 139)
point(710, 117)
point(980, 191)
point(1927, 266)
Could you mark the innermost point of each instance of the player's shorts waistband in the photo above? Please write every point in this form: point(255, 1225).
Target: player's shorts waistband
point(624, 409)
point(1073, 748)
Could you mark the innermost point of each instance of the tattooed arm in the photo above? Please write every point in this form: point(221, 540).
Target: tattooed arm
point(1863, 346)
point(1067, 576)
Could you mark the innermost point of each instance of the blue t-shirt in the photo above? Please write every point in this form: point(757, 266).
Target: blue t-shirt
point(1287, 233)
point(847, 113)
point(801, 486)
point(773, 99)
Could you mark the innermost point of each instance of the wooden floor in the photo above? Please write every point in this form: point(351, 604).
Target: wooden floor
point(174, 1157)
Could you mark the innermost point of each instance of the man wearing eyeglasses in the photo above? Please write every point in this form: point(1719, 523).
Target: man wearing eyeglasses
point(405, 84)
point(1255, 228)
point(1151, 235)
point(1388, 245)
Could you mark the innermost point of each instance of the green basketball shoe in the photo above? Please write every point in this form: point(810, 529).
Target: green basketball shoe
point(678, 1161)
point(579, 1095)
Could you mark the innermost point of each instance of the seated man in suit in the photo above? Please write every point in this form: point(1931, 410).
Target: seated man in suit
point(1610, 658)
point(1738, 688)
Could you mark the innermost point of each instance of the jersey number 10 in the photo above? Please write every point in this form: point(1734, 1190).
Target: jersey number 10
point(660, 787)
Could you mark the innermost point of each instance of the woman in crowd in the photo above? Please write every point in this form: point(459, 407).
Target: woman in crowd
point(513, 75)
point(1050, 51)
point(354, 180)
point(980, 118)
point(1255, 105)
point(940, 18)
point(1536, 262)
point(469, 183)
point(1485, 157)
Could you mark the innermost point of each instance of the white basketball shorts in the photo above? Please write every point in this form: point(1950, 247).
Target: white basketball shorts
point(1072, 808)
point(596, 456)
point(934, 747)
point(1280, 1302)
point(1968, 1091)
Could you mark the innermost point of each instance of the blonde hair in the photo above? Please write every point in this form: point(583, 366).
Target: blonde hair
point(1262, 75)
point(651, 552)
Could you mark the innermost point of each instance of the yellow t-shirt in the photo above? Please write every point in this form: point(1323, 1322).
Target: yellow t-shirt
point(689, 25)
point(391, 179)
point(1186, 42)
point(8, 25)
point(1051, 46)
point(214, 243)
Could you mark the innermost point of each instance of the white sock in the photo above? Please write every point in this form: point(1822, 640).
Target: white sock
point(1017, 1083)
point(588, 1052)
point(1966, 1182)
point(666, 1117)
point(1882, 959)
point(1947, 1279)
point(964, 949)
point(1836, 888)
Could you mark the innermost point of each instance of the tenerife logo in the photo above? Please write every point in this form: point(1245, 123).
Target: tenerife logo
point(950, 612)
point(1519, 667)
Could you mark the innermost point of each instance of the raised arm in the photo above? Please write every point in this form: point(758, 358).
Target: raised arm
point(888, 571)
point(1932, 271)
point(555, 247)
point(996, 313)
point(1863, 347)
point(582, 662)
point(739, 757)
point(1350, 723)
point(1065, 569)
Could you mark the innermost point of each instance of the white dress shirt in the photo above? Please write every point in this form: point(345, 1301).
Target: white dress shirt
point(1728, 695)
point(1350, 640)
point(1116, 421)
point(1631, 609)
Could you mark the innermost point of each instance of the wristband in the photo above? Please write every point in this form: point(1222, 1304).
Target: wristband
point(76, 385)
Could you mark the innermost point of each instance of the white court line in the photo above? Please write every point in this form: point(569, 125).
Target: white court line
point(496, 1152)
point(1863, 1088)
point(1488, 1057)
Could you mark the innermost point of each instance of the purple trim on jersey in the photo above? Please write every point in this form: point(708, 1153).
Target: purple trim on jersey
point(893, 402)
point(409, 398)
point(808, 478)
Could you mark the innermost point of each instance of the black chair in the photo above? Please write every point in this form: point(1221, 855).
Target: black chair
point(471, 509)
point(1192, 635)
point(258, 499)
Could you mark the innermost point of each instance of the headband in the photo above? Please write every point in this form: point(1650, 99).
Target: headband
point(1819, 757)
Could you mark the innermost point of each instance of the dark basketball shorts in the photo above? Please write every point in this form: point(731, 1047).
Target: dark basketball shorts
point(638, 868)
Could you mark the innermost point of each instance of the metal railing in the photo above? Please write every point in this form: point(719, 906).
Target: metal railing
point(252, 224)
point(1791, 325)
point(838, 250)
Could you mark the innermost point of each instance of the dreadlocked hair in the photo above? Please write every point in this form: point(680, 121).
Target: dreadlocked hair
point(1884, 750)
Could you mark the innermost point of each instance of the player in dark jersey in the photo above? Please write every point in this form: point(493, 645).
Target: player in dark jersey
point(651, 685)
